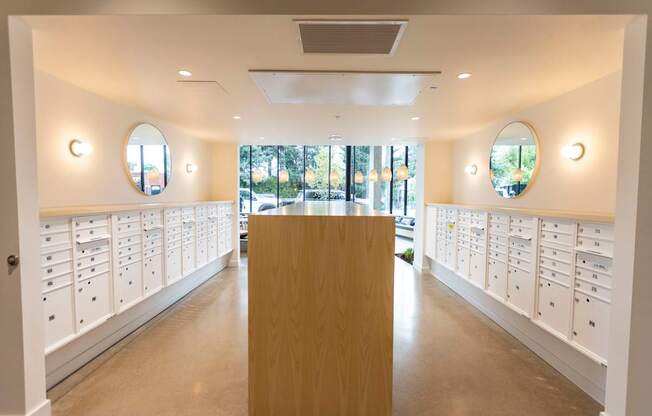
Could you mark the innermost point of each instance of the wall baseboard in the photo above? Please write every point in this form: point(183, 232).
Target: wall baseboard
point(66, 360)
point(578, 368)
point(43, 409)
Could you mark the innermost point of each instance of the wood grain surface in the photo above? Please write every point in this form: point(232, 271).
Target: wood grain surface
point(320, 315)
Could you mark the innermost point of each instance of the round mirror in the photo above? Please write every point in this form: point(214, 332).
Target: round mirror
point(147, 157)
point(513, 160)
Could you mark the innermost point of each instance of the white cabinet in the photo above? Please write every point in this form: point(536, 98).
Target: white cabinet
point(58, 312)
point(129, 285)
point(128, 267)
point(430, 232)
point(94, 266)
point(591, 323)
point(173, 237)
point(497, 278)
point(557, 272)
point(188, 241)
point(93, 301)
point(92, 270)
point(225, 234)
point(554, 306)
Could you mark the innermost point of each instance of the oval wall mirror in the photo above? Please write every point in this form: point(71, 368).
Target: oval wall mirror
point(147, 158)
point(514, 160)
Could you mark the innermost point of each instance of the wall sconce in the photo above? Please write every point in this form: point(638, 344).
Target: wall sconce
point(358, 177)
point(471, 169)
point(191, 168)
point(386, 174)
point(373, 175)
point(79, 148)
point(573, 151)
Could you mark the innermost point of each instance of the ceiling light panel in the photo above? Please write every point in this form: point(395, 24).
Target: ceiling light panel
point(342, 87)
point(379, 37)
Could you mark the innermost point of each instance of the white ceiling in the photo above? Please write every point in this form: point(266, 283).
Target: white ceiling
point(516, 61)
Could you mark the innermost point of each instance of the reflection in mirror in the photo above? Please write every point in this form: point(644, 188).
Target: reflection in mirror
point(513, 159)
point(148, 159)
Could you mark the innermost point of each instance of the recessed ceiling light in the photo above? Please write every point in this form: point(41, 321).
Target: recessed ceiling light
point(464, 75)
point(335, 138)
point(185, 73)
point(415, 118)
point(261, 138)
point(524, 138)
point(237, 117)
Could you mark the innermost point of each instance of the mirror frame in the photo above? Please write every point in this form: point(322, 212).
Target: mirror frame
point(125, 164)
point(537, 162)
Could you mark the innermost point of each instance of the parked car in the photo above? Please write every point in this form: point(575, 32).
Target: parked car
point(258, 202)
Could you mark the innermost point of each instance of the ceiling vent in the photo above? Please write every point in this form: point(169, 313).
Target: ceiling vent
point(379, 37)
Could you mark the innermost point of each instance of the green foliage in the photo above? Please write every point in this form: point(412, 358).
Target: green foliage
point(408, 255)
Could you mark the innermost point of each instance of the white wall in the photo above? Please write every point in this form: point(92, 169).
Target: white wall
point(590, 114)
point(65, 112)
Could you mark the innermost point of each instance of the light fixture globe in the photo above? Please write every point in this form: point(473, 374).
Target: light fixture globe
point(472, 169)
point(283, 176)
point(386, 174)
point(310, 176)
point(334, 177)
point(358, 177)
point(517, 175)
point(257, 176)
point(373, 175)
point(402, 173)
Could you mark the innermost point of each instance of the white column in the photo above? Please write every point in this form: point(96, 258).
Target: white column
point(629, 374)
point(22, 360)
point(420, 216)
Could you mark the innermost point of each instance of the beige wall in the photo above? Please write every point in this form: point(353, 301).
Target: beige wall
point(437, 171)
point(225, 168)
point(588, 114)
point(64, 112)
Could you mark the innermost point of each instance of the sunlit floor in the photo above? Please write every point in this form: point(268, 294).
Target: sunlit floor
point(448, 360)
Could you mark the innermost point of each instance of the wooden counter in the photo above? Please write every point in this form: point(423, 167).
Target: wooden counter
point(321, 281)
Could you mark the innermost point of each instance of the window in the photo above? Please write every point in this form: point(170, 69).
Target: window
point(264, 189)
point(398, 187)
point(290, 163)
point(337, 178)
point(411, 203)
point(272, 176)
point(245, 173)
point(361, 165)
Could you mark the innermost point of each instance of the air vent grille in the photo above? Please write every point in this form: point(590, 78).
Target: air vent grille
point(350, 37)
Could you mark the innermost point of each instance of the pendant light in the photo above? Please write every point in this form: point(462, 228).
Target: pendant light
point(283, 176)
point(386, 174)
point(359, 177)
point(402, 173)
point(517, 175)
point(257, 176)
point(373, 176)
point(334, 177)
point(310, 176)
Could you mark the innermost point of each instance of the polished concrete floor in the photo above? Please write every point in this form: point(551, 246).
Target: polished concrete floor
point(448, 360)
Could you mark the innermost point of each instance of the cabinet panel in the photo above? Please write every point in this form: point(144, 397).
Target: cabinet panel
point(554, 306)
point(558, 226)
point(152, 274)
point(593, 289)
point(594, 245)
point(555, 276)
point(56, 257)
point(129, 284)
point(558, 238)
point(463, 258)
point(591, 324)
point(89, 261)
point(601, 231)
point(93, 300)
point(520, 289)
point(173, 265)
point(555, 265)
point(556, 253)
point(202, 252)
point(597, 263)
point(188, 260)
point(56, 270)
point(593, 276)
point(57, 282)
point(477, 266)
point(58, 315)
point(497, 278)
point(55, 225)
